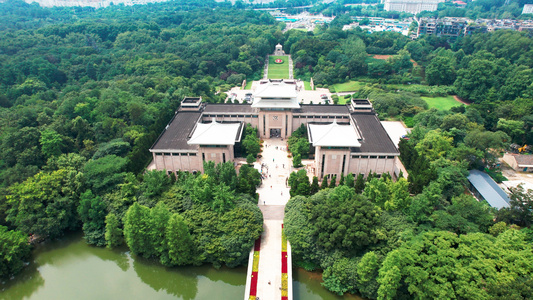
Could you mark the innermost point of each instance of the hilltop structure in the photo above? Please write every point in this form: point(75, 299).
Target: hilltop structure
point(345, 138)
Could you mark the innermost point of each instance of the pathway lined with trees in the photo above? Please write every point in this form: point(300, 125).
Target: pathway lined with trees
point(273, 195)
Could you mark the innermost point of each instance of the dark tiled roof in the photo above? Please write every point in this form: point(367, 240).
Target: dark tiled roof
point(374, 137)
point(176, 134)
point(228, 108)
point(524, 160)
point(322, 109)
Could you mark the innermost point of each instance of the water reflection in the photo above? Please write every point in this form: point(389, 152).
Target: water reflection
point(70, 269)
point(308, 286)
point(178, 282)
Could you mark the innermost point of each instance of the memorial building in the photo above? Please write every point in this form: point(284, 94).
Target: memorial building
point(344, 138)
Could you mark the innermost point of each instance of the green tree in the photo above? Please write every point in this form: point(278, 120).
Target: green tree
point(297, 161)
point(440, 71)
point(515, 129)
point(14, 251)
point(434, 145)
point(250, 159)
point(367, 274)
point(333, 182)
point(440, 264)
point(345, 222)
point(137, 230)
point(359, 183)
point(341, 277)
point(248, 180)
point(341, 180)
point(250, 141)
point(113, 232)
point(51, 143)
point(158, 221)
point(350, 180)
point(324, 183)
point(45, 204)
point(314, 186)
point(92, 212)
point(179, 242)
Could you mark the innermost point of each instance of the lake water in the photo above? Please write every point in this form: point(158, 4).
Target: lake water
point(70, 269)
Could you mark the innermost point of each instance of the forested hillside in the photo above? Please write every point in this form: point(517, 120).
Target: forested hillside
point(425, 237)
point(83, 96)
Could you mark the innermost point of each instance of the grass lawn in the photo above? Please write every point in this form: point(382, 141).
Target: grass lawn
point(343, 100)
point(248, 84)
point(278, 71)
point(307, 85)
point(349, 86)
point(442, 103)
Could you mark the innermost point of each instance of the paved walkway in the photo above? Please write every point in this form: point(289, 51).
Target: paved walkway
point(273, 195)
point(291, 76)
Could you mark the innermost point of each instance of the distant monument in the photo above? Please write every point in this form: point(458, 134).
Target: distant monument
point(279, 50)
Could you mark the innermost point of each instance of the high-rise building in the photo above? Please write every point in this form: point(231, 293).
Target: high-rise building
point(411, 6)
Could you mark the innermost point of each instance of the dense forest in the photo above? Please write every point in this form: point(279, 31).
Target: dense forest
point(424, 237)
point(84, 93)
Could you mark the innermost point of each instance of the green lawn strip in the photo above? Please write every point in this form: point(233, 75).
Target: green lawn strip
point(349, 86)
point(343, 100)
point(278, 71)
point(278, 75)
point(307, 85)
point(441, 103)
point(248, 84)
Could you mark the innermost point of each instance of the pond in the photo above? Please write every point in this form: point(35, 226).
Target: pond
point(70, 269)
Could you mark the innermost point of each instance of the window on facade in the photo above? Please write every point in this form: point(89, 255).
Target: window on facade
point(158, 153)
point(167, 154)
point(356, 156)
point(390, 157)
point(373, 157)
point(192, 154)
point(364, 156)
point(382, 157)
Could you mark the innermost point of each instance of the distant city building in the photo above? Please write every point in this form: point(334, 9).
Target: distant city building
point(528, 9)
point(376, 24)
point(411, 6)
point(344, 138)
point(91, 3)
point(448, 27)
point(454, 27)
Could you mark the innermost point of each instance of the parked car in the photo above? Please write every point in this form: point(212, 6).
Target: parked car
point(248, 97)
